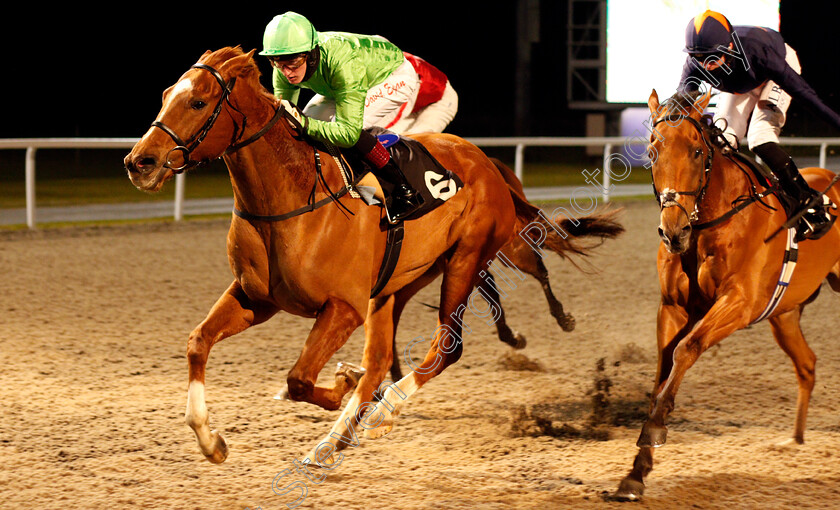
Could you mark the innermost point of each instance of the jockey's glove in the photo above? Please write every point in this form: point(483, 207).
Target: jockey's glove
point(295, 117)
point(732, 142)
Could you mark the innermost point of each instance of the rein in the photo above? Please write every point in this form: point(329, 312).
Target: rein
point(311, 204)
point(742, 204)
point(668, 197)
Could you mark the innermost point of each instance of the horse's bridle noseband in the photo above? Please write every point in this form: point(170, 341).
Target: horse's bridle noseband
point(186, 148)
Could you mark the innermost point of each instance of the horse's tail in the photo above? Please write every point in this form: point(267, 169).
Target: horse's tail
point(561, 234)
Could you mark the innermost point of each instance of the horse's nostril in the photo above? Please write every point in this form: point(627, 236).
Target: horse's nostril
point(147, 162)
point(141, 165)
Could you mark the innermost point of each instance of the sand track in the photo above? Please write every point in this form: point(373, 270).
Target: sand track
point(93, 329)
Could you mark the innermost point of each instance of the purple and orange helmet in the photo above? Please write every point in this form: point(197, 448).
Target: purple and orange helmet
point(707, 33)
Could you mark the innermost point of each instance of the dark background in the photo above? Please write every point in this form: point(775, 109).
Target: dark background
point(100, 72)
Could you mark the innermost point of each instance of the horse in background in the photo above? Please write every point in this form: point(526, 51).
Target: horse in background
point(716, 272)
point(525, 257)
point(519, 257)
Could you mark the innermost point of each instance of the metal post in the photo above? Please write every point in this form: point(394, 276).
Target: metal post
point(30, 186)
point(823, 147)
point(179, 196)
point(519, 159)
point(607, 154)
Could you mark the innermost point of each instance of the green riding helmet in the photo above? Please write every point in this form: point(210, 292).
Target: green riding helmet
point(287, 34)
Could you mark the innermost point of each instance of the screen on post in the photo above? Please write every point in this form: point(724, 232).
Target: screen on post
point(645, 39)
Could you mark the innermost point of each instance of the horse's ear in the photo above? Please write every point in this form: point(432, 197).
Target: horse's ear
point(702, 102)
point(653, 102)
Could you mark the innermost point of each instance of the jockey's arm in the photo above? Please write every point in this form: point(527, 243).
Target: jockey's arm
point(344, 131)
point(795, 85)
point(689, 79)
point(350, 94)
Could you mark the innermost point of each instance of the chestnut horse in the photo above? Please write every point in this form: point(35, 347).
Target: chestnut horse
point(323, 262)
point(716, 273)
point(525, 258)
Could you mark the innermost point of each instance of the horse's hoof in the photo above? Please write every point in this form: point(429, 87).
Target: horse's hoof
point(283, 394)
point(381, 431)
point(312, 461)
point(352, 372)
point(515, 340)
point(652, 436)
point(519, 341)
point(567, 323)
point(789, 443)
point(220, 449)
point(628, 490)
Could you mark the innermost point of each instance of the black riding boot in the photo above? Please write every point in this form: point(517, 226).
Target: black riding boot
point(402, 198)
point(816, 221)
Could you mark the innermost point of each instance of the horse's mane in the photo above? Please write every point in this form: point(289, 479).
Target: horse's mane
point(216, 59)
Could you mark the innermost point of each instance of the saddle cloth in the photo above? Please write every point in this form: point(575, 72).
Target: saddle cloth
point(435, 183)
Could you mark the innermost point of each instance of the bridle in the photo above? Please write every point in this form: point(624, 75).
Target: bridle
point(186, 148)
point(712, 136)
point(668, 197)
point(280, 111)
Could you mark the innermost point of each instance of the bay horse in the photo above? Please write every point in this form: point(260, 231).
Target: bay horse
point(716, 272)
point(323, 259)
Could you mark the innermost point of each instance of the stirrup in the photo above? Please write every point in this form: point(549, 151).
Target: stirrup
point(816, 222)
point(392, 217)
point(826, 205)
point(404, 206)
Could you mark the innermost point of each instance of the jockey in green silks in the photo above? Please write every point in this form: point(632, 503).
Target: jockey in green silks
point(360, 81)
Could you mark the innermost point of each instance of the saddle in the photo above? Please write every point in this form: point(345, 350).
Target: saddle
point(797, 220)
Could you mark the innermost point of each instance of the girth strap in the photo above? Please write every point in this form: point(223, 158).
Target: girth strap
point(786, 274)
point(393, 246)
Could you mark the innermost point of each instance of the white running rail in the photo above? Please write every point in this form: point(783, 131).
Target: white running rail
point(609, 143)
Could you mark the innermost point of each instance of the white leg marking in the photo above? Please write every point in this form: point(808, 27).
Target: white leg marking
point(197, 416)
point(389, 405)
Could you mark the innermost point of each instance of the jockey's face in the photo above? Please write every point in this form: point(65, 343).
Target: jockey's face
point(294, 69)
point(711, 61)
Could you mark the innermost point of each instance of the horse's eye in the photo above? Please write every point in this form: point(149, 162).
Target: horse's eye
point(197, 104)
point(698, 153)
